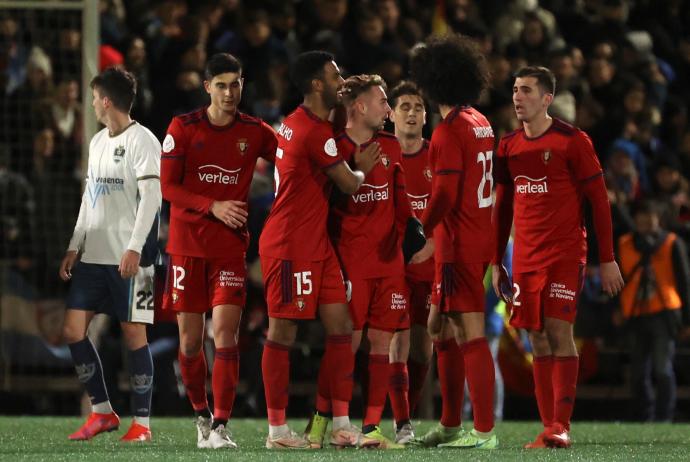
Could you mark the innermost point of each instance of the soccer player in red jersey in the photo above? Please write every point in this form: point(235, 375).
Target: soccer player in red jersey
point(411, 349)
point(300, 268)
point(366, 229)
point(451, 71)
point(208, 162)
point(543, 172)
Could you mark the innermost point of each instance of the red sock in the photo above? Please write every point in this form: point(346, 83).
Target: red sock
point(543, 387)
point(564, 388)
point(398, 389)
point(226, 371)
point(451, 377)
point(275, 365)
point(379, 372)
point(481, 379)
point(417, 376)
point(323, 389)
point(342, 362)
point(194, 370)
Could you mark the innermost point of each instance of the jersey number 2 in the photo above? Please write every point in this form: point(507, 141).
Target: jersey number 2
point(487, 175)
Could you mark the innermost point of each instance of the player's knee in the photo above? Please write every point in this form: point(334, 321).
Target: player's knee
point(190, 346)
point(72, 334)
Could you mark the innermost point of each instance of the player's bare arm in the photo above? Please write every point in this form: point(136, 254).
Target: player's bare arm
point(67, 264)
point(232, 213)
point(129, 264)
point(349, 181)
point(611, 278)
point(500, 280)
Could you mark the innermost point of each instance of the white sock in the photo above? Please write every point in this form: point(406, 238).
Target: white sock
point(102, 408)
point(144, 421)
point(276, 431)
point(341, 422)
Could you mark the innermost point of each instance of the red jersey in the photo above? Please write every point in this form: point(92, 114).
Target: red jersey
point(203, 163)
point(296, 226)
point(363, 226)
point(546, 174)
point(463, 144)
point(418, 185)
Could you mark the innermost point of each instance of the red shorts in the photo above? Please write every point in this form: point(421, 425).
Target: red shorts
point(459, 287)
point(380, 303)
point(420, 300)
point(551, 292)
point(195, 285)
point(294, 289)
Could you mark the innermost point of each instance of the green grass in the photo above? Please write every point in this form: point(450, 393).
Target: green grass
point(45, 438)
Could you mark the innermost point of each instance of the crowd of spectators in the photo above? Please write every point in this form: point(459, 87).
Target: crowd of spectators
point(622, 66)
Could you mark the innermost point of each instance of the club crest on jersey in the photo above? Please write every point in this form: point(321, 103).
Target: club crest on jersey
point(427, 173)
point(385, 160)
point(300, 304)
point(242, 146)
point(175, 297)
point(546, 156)
point(119, 153)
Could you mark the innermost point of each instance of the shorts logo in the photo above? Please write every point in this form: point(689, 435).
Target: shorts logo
point(141, 383)
point(242, 146)
point(428, 302)
point(558, 290)
point(229, 279)
point(168, 143)
point(398, 301)
point(427, 173)
point(546, 156)
point(175, 297)
point(300, 304)
point(119, 153)
point(85, 371)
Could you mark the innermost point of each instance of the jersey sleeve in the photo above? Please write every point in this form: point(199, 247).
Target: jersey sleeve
point(269, 143)
point(322, 148)
point(147, 163)
point(500, 168)
point(447, 151)
point(175, 142)
point(582, 158)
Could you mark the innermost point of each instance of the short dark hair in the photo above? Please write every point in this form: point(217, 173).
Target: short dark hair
point(119, 85)
point(450, 70)
point(220, 63)
point(359, 84)
point(308, 66)
point(545, 78)
point(646, 207)
point(405, 87)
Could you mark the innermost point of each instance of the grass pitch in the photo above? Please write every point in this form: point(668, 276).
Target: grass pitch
point(45, 438)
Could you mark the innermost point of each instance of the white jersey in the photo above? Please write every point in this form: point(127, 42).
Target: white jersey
point(108, 211)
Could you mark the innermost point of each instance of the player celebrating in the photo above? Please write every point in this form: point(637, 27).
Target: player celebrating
point(542, 172)
point(116, 234)
point(408, 375)
point(452, 72)
point(300, 268)
point(209, 157)
point(366, 229)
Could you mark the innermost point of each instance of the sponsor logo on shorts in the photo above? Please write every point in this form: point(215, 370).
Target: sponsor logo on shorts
point(300, 304)
point(558, 290)
point(230, 279)
point(398, 301)
point(214, 174)
point(175, 297)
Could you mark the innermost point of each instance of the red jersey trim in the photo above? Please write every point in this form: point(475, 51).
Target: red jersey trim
point(425, 145)
point(221, 128)
point(326, 167)
point(310, 114)
point(448, 172)
point(593, 177)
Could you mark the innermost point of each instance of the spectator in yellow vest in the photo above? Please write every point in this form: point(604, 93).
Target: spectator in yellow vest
point(654, 305)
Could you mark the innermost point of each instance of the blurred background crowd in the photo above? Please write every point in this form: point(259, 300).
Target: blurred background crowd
point(622, 69)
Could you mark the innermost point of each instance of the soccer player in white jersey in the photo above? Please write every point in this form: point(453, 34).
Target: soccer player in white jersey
point(111, 254)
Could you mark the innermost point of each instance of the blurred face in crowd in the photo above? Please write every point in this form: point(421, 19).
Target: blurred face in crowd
point(372, 108)
point(634, 100)
point(331, 13)
point(67, 93)
point(389, 12)
point(409, 116)
point(371, 30)
point(257, 32)
point(533, 33)
point(667, 178)
point(601, 72)
point(646, 222)
point(44, 143)
point(136, 54)
point(529, 99)
point(225, 91)
point(330, 83)
point(563, 68)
